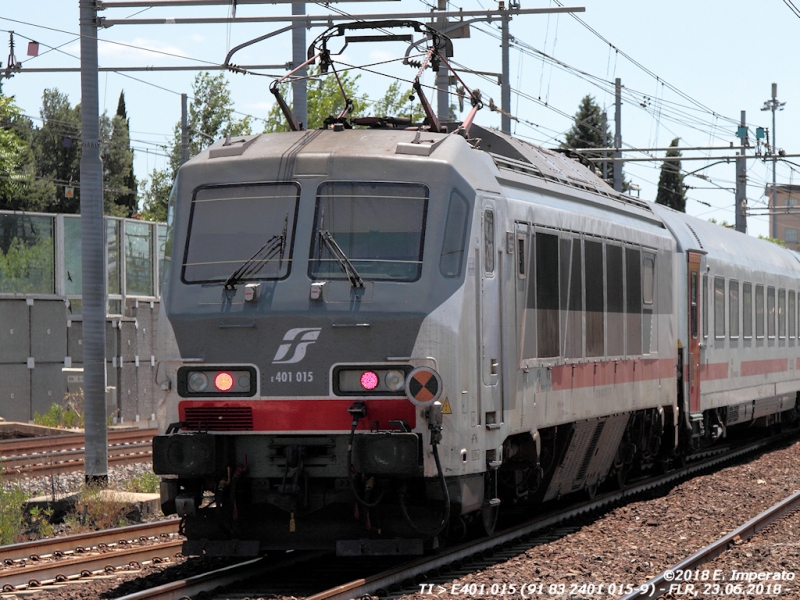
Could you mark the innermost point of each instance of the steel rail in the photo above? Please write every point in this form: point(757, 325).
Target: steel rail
point(382, 581)
point(34, 575)
point(36, 445)
point(659, 585)
point(370, 585)
point(207, 582)
point(69, 543)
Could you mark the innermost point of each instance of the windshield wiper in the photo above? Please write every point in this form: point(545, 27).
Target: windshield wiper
point(277, 243)
point(274, 246)
point(341, 258)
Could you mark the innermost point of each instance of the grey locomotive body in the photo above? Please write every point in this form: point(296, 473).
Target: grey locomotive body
point(368, 335)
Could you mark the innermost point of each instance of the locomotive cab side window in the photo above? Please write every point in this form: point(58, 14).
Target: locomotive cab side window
point(747, 310)
point(455, 234)
point(733, 308)
point(488, 242)
point(378, 227)
point(241, 232)
point(547, 290)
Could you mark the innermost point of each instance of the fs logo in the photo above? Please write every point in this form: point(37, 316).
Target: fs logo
point(297, 339)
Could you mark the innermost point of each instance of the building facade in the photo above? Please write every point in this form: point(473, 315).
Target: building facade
point(784, 218)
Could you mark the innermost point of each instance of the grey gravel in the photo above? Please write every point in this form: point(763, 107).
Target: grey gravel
point(67, 483)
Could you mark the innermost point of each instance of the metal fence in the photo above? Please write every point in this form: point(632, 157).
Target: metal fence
point(40, 311)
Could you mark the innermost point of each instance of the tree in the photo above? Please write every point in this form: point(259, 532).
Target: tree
point(57, 149)
point(120, 180)
point(324, 98)
point(210, 117)
point(671, 189)
point(16, 158)
point(396, 103)
point(590, 130)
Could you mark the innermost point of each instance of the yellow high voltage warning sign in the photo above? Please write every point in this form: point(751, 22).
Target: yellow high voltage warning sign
point(446, 410)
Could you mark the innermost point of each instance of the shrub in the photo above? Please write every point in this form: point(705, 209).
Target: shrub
point(144, 483)
point(59, 416)
point(12, 514)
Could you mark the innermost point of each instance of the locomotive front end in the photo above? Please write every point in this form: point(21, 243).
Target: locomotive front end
point(303, 374)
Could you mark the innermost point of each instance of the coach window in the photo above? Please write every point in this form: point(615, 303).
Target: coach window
point(488, 242)
point(759, 311)
point(771, 312)
point(781, 314)
point(719, 307)
point(705, 306)
point(792, 315)
point(574, 333)
point(733, 308)
point(455, 234)
point(615, 299)
point(648, 299)
point(633, 271)
point(529, 334)
point(595, 299)
point(547, 295)
point(747, 310)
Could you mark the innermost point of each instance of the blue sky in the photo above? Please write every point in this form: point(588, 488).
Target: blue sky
point(699, 64)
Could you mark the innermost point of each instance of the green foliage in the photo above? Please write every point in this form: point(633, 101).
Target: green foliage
point(155, 195)
point(396, 103)
point(143, 483)
point(27, 269)
point(59, 416)
point(590, 129)
point(210, 117)
point(93, 512)
point(671, 190)
point(773, 240)
point(39, 521)
point(325, 99)
point(14, 154)
point(12, 514)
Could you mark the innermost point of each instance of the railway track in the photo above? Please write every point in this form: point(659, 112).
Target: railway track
point(403, 577)
point(30, 564)
point(65, 453)
point(663, 583)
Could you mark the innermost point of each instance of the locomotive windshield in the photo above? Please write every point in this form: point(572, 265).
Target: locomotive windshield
point(380, 227)
point(241, 233)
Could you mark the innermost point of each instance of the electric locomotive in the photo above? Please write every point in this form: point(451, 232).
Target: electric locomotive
point(370, 337)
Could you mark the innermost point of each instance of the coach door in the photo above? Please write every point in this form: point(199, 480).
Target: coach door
point(695, 305)
point(490, 330)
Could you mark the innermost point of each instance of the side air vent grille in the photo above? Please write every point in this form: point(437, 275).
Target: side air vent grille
point(230, 418)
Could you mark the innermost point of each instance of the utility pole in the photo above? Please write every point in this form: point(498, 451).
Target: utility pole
point(443, 76)
point(92, 253)
point(299, 84)
point(505, 91)
point(741, 179)
point(618, 134)
point(184, 129)
point(774, 105)
point(605, 144)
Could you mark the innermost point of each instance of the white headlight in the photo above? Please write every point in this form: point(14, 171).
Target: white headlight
point(395, 380)
point(197, 382)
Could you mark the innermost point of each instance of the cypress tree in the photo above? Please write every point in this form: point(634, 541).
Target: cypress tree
point(671, 189)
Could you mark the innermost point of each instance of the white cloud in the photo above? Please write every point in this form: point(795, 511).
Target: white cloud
point(196, 37)
point(381, 55)
point(137, 49)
